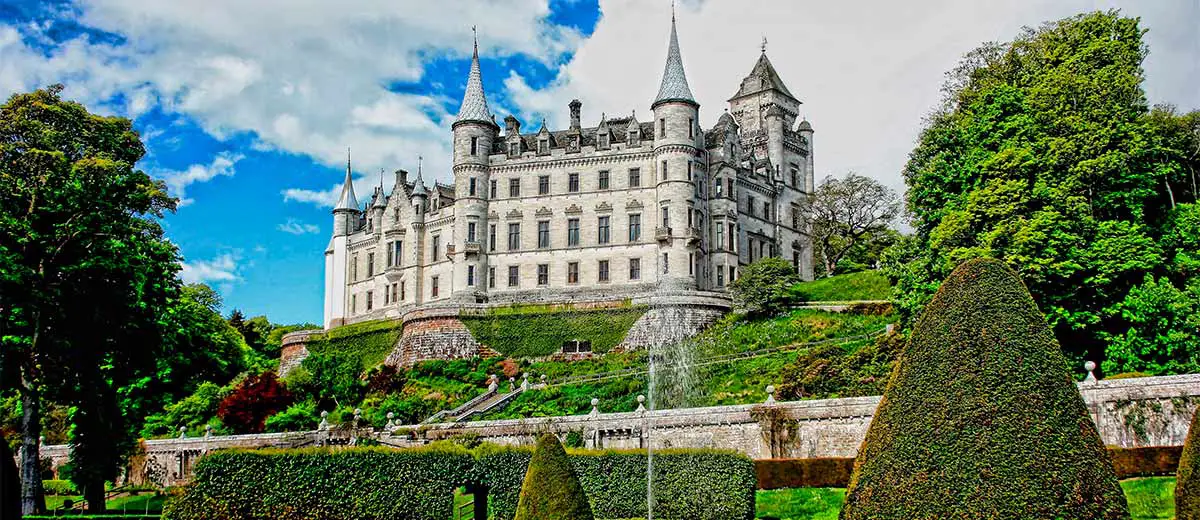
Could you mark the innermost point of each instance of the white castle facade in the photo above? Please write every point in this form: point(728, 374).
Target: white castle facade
point(614, 211)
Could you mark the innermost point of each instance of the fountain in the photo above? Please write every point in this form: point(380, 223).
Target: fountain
point(670, 380)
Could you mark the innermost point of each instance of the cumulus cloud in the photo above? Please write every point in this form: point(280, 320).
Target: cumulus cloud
point(296, 227)
point(178, 181)
point(866, 72)
point(306, 77)
point(221, 269)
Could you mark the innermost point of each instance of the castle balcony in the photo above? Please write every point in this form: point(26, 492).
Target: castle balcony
point(472, 248)
point(692, 235)
point(394, 271)
point(662, 234)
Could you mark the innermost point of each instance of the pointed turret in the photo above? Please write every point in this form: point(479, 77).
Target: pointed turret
point(419, 184)
point(347, 201)
point(674, 82)
point(474, 105)
point(762, 77)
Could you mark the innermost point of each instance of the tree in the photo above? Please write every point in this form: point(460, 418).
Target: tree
point(1161, 329)
point(551, 488)
point(762, 287)
point(246, 408)
point(85, 274)
point(980, 418)
point(847, 211)
point(1045, 155)
point(1187, 485)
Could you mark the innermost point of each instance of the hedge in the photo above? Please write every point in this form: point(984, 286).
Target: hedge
point(369, 341)
point(1187, 487)
point(1157, 461)
point(551, 488)
point(691, 484)
point(349, 484)
point(535, 331)
point(981, 418)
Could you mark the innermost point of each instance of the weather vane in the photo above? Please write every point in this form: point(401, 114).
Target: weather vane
point(764, 45)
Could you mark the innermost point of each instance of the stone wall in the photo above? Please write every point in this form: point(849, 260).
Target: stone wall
point(293, 350)
point(1129, 413)
point(435, 333)
point(674, 317)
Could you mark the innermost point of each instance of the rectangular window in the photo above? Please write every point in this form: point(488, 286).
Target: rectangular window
point(662, 127)
point(514, 236)
point(491, 237)
point(543, 185)
point(717, 187)
point(689, 170)
point(470, 231)
point(573, 272)
point(666, 218)
point(403, 287)
point(543, 234)
point(433, 287)
point(635, 177)
point(474, 147)
point(572, 232)
point(370, 265)
point(492, 195)
point(602, 271)
point(602, 231)
point(732, 240)
point(491, 278)
point(471, 186)
point(514, 187)
point(691, 264)
point(514, 275)
point(732, 273)
point(666, 266)
point(386, 295)
point(750, 205)
point(663, 171)
point(795, 175)
point(433, 250)
point(767, 209)
point(543, 274)
point(353, 303)
point(729, 182)
point(720, 236)
point(370, 300)
point(795, 218)
point(399, 252)
point(390, 259)
point(635, 227)
point(691, 128)
point(543, 146)
point(603, 140)
point(514, 149)
point(602, 180)
point(635, 268)
point(573, 182)
point(720, 277)
point(470, 276)
point(395, 292)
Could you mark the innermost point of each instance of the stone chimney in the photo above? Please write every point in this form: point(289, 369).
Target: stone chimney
point(575, 106)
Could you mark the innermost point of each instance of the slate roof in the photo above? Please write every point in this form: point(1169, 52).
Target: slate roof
point(674, 85)
point(762, 77)
point(474, 105)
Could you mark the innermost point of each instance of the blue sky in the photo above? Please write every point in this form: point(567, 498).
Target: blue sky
point(247, 107)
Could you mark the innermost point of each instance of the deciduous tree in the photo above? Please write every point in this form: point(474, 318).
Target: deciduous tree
point(848, 211)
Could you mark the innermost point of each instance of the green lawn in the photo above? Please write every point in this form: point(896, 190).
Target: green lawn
point(1149, 499)
point(136, 504)
point(863, 285)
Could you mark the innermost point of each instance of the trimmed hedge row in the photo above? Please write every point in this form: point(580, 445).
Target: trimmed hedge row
point(419, 483)
point(311, 483)
point(537, 331)
point(835, 471)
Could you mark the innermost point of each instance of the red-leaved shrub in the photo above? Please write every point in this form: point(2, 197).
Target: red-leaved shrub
point(246, 408)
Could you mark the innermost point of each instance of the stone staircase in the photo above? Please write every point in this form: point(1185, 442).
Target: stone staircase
point(483, 403)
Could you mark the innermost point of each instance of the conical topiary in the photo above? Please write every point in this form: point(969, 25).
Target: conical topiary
point(981, 418)
point(1187, 486)
point(551, 490)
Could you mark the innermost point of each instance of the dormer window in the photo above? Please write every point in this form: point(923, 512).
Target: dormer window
point(633, 138)
point(603, 141)
point(514, 149)
point(543, 145)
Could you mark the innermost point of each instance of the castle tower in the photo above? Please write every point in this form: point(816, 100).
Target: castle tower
point(676, 149)
point(345, 222)
point(419, 200)
point(475, 131)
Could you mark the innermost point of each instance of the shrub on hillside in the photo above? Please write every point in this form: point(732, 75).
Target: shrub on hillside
point(246, 408)
point(830, 371)
point(763, 287)
point(1187, 486)
point(551, 488)
point(981, 418)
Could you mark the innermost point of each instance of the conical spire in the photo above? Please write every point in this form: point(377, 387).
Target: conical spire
point(419, 184)
point(347, 200)
point(674, 83)
point(474, 105)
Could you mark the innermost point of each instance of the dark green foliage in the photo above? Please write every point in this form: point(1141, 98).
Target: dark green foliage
point(1187, 489)
point(1159, 329)
point(194, 411)
point(692, 484)
point(830, 371)
point(59, 487)
point(368, 342)
point(981, 419)
point(533, 331)
point(762, 287)
point(551, 490)
point(1046, 155)
point(345, 484)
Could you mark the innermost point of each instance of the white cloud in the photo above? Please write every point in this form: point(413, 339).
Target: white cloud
point(221, 269)
point(178, 181)
point(304, 76)
point(296, 227)
point(866, 72)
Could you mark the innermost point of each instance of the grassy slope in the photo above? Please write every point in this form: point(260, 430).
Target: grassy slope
point(863, 285)
point(1149, 499)
point(371, 340)
point(532, 331)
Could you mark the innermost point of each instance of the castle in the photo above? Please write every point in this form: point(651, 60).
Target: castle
point(615, 211)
